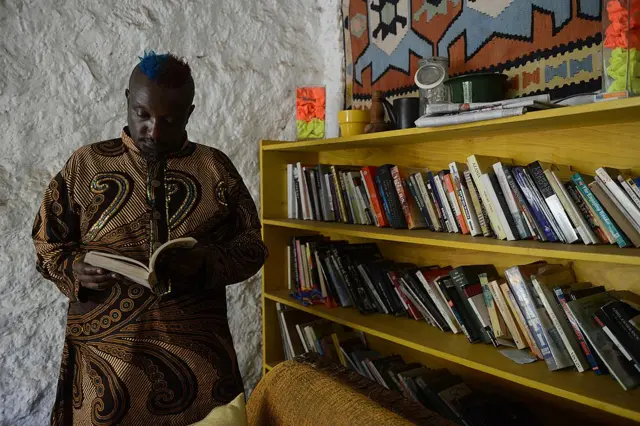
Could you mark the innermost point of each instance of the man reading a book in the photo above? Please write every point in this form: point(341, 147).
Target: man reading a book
point(132, 354)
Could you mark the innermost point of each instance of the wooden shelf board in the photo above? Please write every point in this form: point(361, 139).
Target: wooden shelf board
point(603, 393)
point(611, 112)
point(593, 253)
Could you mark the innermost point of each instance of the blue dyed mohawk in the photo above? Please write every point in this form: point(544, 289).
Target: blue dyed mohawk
point(165, 69)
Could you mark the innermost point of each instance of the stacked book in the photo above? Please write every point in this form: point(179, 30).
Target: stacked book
point(436, 389)
point(538, 307)
point(485, 196)
point(437, 115)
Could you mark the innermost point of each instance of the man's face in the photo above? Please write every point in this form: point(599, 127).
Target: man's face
point(157, 117)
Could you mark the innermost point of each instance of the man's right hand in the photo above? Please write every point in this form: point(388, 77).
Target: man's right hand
point(94, 278)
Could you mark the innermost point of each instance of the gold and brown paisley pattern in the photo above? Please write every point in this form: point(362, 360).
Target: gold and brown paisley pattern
point(130, 356)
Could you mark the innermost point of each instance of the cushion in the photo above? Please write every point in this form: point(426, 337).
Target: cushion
point(232, 414)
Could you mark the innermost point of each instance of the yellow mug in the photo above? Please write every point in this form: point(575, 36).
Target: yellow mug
point(352, 122)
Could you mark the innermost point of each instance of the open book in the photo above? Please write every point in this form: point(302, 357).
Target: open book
point(132, 269)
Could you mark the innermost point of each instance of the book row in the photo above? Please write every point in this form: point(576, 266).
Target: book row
point(486, 196)
point(539, 306)
point(436, 389)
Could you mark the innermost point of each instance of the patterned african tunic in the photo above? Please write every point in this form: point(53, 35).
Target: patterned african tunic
point(132, 357)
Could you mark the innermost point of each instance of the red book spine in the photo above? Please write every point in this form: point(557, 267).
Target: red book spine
point(368, 173)
point(402, 195)
point(413, 311)
point(453, 196)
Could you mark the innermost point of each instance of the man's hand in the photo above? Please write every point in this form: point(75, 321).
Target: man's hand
point(182, 264)
point(93, 278)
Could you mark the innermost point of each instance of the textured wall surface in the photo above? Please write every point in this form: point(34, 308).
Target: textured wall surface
point(63, 70)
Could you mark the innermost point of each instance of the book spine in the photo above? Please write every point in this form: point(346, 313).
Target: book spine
point(562, 299)
point(476, 174)
point(581, 224)
point(402, 196)
point(339, 195)
point(525, 301)
point(585, 211)
point(481, 213)
point(512, 206)
point(433, 191)
point(419, 201)
point(296, 267)
point(523, 205)
point(621, 197)
point(629, 190)
point(454, 304)
point(503, 212)
point(466, 204)
point(331, 194)
point(620, 239)
point(440, 304)
point(428, 201)
point(380, 304)
point(396, 217)
point(444, 197)
point(455, 203)
point(521, 320)
point(368, 174)
point(411, 308)
point(529, 192)
point(509, 320)
point(363, 199)
point(556, 315)
point(557, 215)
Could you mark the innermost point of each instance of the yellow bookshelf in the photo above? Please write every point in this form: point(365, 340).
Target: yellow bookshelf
point(585, 137)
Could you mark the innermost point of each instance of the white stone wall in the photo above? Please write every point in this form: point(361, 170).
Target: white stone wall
point(63, 70)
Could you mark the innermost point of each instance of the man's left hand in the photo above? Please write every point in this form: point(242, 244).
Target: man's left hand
point(182, 264)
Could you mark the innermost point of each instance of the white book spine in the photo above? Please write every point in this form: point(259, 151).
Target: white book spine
point(302, 183)
point(368, 200)
point(444, 311)
point(291, 194)
point(585, 231)
point(621, 197)
point(511, 202)
point(614, 200)
point(629, 190)
point(555, 313)
point(476, 174)
point(555, 206)
point(444, 198)
point(634, 187)
point(500, 214)
point(468, 209)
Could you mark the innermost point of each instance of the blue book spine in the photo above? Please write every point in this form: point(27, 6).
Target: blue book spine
point(518, 174)
point(620, 238)
point(384, 198)
point(525, 300)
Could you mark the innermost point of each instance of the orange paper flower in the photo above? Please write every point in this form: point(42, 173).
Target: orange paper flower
point(310, 103)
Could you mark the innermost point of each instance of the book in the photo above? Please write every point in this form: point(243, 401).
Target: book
point(498, 325)
point(581, 183)
point(518, 216)
point(135, 270)
point(558, 214)
point(615, 211)
point(583, 310)
point(509, 319)
point(539, 324)
point(544, 284)
point(480, 165)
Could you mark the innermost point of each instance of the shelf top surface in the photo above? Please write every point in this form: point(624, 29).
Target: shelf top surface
point(594, 253)
point(602, 392)
point(609, 112)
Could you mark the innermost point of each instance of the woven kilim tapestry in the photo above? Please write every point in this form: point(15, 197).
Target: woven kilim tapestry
point(543, 46)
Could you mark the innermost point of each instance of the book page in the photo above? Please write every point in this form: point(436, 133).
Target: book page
point(129, 268)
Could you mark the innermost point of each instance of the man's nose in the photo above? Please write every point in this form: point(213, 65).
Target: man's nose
point(154, 129)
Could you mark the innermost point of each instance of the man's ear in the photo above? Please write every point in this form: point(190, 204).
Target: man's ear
point(126, 95)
